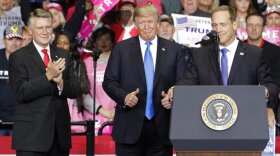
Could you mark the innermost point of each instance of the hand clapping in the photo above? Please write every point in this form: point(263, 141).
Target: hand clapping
point(55, 69)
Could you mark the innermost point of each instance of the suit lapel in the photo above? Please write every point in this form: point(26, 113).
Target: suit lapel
point(213, 54)
point(137, 57)
point(237, 60)
point(161, 50)
point(36, 57)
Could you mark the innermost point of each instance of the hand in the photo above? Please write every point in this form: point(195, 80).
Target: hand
point(59, 81)
point(171, 93)
point(166, 101)
point(55, 68)
point(108, 113)
point(271, 117)
point(131, 99)
point(96, 11)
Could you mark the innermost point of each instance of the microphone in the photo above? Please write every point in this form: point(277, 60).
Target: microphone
point(211, 37)
point(94, 52)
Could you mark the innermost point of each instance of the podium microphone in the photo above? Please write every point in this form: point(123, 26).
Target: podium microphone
point(94, 52)
point(211, 37)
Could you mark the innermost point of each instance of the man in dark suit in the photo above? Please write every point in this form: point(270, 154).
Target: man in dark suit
point(42, 79)
point(231, 63)
point(139, 72)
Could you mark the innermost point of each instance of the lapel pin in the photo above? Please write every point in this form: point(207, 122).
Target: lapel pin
point(241, 53)
point(163, 49)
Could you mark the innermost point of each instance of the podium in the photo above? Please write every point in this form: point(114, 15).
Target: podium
point(191, 136)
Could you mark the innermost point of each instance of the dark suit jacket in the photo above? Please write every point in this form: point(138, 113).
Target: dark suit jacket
point(40, 107)
point(125, 73)
point(272, 56)
point(248, 68)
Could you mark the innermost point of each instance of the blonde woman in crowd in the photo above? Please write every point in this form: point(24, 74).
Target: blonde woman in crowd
point(208, 5)
point(242, 9)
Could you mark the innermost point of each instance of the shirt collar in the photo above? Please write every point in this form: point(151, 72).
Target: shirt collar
point(154, 41)
point(232, 47)
point(39, 48)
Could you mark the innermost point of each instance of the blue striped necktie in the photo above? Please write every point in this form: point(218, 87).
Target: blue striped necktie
point(224, 65)
point(149, 73)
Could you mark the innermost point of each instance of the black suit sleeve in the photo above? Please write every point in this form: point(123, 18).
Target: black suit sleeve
point(190, 75)
point(112, 76)
point(25, 88)
point(70, 86)
point(265, 78)
point(73, 26)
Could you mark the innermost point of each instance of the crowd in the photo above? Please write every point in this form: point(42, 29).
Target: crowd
point(130, 86)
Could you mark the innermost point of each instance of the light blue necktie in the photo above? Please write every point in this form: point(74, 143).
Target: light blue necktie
point(149, 73)
point(224, 65)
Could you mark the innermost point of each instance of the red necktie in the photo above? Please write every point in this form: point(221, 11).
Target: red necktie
point(46, 57)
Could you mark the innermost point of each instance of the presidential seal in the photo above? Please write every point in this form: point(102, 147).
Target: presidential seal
point(219, 112)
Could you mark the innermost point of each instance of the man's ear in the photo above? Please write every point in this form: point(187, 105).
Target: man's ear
point(29, 30)
point(234, 25)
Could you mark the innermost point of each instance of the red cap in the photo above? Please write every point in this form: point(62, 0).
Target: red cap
point(54, 6)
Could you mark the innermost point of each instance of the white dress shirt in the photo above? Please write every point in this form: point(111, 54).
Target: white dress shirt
point(153, 49)
point(230, 54)
point(39, 49)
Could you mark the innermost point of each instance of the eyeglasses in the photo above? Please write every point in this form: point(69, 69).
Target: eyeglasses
point(250, 25)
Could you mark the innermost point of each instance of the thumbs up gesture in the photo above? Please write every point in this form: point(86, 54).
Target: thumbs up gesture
point(167, 98)
point(166, 102)
point(131, 99)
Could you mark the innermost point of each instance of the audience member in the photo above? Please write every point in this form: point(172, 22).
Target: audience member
point(125, 28)
point(208, 5)
point(156, 3)
point(139, 72)
point(103, 40)
point(91, 21)
point(12, 41)
point(27, 37)
point(238, 64)
point(272, 14)
point(42, 78)
point(190, 7)
point(64, 42)
point(10, 16)
point(166, 27)
point(71, 27)
point(272, 2)
point(242, 8)
point(257, 4)
point(171, 6)
point(75, 105)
